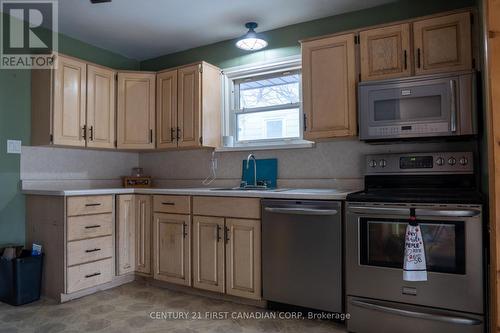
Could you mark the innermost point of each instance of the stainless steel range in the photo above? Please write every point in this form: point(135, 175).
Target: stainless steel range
point(440, 190)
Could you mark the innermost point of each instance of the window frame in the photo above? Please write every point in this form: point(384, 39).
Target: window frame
point(231, 109)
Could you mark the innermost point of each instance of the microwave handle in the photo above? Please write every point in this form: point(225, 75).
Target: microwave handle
point(453, 106)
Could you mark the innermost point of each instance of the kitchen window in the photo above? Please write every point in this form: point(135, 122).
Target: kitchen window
point(263, 106)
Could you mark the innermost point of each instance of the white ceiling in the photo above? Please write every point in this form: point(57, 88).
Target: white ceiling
point(142, 29)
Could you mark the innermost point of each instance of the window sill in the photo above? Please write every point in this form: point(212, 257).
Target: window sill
point(268, 146)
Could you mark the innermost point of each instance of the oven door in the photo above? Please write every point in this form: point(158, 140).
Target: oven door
point(453, 246)
point(402, 109)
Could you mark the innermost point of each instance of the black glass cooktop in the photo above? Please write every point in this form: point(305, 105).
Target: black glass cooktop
point(420, 189)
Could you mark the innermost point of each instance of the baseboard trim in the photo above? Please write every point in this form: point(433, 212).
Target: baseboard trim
point(199, 292)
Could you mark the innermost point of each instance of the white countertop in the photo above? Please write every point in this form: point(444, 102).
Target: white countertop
point(311, 194)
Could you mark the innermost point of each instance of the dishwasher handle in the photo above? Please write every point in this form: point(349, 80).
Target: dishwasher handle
point(302, 211)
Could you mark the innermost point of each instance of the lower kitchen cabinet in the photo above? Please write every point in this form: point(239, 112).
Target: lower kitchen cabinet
point(208, 253)
point(172, 248)
point(243, 263)
point(143, 226)
point(125, 234)
point(226, 245)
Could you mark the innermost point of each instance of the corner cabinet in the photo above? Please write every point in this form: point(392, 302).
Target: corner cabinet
point(73, 105)
point(136, 110)
point(189, 107)
point(329, 87)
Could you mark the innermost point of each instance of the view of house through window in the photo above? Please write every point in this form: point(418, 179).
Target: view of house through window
point(267, 107)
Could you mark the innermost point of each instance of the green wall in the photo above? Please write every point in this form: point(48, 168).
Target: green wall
point(284, 41)
point(15, 123)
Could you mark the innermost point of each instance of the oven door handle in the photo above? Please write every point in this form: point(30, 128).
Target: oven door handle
point(418, 212)
point(415, 314)
point(301, 211)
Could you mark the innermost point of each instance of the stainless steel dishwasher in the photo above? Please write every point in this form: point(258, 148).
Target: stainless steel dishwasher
point(302, 253)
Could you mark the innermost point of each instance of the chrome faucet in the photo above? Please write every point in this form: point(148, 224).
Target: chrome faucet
point(251, 156)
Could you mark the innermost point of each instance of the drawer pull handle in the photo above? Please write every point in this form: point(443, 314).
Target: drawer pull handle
point(92, 275)
point(168, 203)
point(92, 204)
point(93, 250)
point(92, 226)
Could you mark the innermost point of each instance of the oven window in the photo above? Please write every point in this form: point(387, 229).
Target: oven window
point(382, 244)
point(408, 109)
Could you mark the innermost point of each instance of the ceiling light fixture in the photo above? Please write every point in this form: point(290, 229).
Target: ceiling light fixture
point(251, 41)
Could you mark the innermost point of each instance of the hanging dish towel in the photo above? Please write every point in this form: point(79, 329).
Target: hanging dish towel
point(415, 268)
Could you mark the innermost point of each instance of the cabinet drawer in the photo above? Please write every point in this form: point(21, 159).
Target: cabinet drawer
point(89, 275)
point(172, 204)
point(248, 208)
point(89, 226)
point(95, 204)
point(83, 251)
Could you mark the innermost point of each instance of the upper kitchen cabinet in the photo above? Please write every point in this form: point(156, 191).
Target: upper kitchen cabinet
point(329, 87)
point(189, 107)
point(101, 107)
point(443, 44)
point(136, 110)
point(58, 104)
point(385, 52)
point(73, 105)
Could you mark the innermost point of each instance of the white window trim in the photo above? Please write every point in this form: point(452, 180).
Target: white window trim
point(261, 68)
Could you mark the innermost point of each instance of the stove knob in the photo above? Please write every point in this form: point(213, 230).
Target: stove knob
point(372, 164)
point(382, 163)
point(452, 161)
point(440, 161)
point(464, 161)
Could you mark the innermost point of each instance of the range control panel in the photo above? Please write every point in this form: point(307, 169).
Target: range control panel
point(420, 163)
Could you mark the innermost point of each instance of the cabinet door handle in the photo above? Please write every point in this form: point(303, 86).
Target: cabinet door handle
point(84, 132)
point(92, 204)
point(418, 58)
point(184, 233)
point(218, 233)
point(93, 250)
point(178, 133)
point(405, 59)
point(172, 134)
point(226, 235)
point(91, 133)
point(92, 275)
point(150, 136)
point(92, 226)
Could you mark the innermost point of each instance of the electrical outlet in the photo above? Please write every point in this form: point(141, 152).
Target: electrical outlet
point(14, 146)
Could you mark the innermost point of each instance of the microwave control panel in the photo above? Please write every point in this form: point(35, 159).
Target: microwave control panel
point(418, 163)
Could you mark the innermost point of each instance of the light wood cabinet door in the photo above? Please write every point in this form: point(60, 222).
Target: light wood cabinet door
point(329, 87)
point(243, 258)
point(101, 111)
point(70, 86)
point(208, 253)
point(143, 223)
point(172, 244)
point(136, 110)
point(443, 44)
point(166, 113)
point(189, 106)
point(385, 52)
point(125, 242)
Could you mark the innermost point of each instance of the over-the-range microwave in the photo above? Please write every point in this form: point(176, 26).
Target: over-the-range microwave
point(426, 106)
